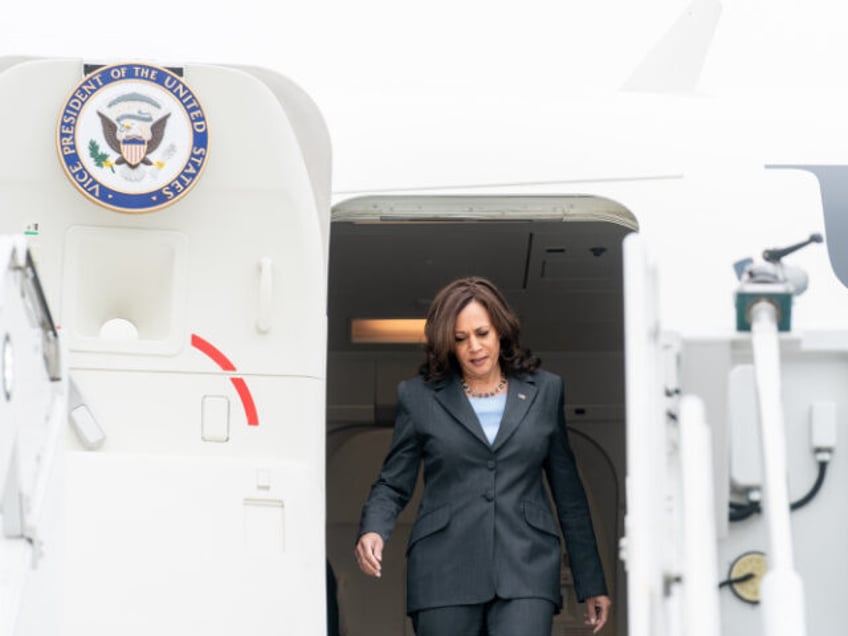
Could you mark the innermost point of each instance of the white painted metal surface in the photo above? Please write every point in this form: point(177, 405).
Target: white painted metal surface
point(196, 338)
point(783, 590)
point(701, 614)
point(644, 549)
point(33, 408)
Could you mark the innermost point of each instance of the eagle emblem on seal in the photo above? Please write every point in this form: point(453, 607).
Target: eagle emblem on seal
point(131, 129)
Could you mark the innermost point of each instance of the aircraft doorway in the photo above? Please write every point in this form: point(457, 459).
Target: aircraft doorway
point(558, 261)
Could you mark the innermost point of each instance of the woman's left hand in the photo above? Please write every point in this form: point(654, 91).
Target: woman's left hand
point(597, 611)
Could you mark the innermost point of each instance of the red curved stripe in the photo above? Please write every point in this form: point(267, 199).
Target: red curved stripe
point(247, 401)
point(213, 352)
point(240, 385)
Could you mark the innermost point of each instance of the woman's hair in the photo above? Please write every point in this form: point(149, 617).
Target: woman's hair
point(441, 323)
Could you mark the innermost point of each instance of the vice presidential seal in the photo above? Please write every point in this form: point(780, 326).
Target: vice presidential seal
point(133, 137)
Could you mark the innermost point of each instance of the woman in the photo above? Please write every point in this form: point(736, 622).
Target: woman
point(484, 553)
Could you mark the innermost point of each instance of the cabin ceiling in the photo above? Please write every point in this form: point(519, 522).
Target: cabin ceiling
point(564, 279)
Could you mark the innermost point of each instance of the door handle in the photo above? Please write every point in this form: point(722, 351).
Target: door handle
point(266, 293)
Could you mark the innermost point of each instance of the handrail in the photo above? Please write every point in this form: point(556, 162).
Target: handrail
point(700, 554)
point(782, 590)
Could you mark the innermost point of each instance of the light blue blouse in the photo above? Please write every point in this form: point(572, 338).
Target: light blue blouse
point(490, 412)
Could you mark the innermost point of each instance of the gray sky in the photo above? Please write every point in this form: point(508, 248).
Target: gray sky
point(338, 47)
point(374, 64)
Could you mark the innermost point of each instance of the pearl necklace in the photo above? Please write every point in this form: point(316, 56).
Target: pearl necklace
point(484, 394)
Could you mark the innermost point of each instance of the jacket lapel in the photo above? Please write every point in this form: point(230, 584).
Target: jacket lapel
point(519, 397)
point(451, 396)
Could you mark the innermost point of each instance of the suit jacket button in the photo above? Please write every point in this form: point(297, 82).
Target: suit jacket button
point(490, 464)
point(490, 496)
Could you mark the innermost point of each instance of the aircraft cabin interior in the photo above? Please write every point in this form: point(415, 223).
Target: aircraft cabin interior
point(558, 261)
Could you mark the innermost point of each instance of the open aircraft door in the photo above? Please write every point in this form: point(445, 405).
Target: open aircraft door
point(178, 218)
point(669, 547)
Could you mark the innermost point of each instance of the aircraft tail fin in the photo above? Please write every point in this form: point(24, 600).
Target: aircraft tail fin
point(674, 65)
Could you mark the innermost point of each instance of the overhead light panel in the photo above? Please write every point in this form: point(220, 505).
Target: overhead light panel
point(387, 330)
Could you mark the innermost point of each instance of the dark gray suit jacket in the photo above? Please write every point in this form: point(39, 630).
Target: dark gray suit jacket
point(485, 526)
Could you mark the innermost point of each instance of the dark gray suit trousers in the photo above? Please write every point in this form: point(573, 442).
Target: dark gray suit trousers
point(499, 617)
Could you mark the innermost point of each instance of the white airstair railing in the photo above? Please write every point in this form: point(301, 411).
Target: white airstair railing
point(33, 415)
point(700, 554)
point(764, 307)
point(782, 590)
point(670, 545)
point(642, 546)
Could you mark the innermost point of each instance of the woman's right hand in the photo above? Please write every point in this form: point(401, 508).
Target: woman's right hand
point(369, 553)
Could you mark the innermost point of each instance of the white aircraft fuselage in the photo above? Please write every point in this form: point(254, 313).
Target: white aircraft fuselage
point(225, 425)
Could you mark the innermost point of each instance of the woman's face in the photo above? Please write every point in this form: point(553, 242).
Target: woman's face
point(477, 346)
